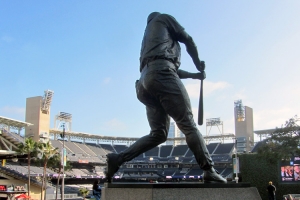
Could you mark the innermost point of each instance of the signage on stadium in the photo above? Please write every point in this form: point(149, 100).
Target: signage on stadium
point(83, 161)
point(13, 188)
point(3, 188)
point(19, 188)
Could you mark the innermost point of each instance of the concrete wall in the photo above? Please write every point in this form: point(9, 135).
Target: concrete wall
point(245, 128)
point(35, 116)
point(250, 193)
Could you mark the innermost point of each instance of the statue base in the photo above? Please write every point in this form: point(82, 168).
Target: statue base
point(182, 191)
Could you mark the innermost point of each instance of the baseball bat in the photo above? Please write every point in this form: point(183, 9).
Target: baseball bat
point(200, 108)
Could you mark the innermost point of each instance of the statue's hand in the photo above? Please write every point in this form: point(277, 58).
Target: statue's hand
point(200, 75)
point(200, 66)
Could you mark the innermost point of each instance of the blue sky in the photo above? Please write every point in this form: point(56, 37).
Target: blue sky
point(87, 52)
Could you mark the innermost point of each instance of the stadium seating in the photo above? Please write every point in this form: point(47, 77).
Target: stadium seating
point(189, 153)
point(225, 148)
point(212, 147)
point(152, 152)
point(195, 171)
point(97, 149)
point(108, 148)
point(165, 151)
point(86, 149)
point(179, 150)
point(120, 148)
point(165, 160)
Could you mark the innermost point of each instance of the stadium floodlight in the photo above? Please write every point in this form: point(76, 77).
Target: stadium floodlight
point(47, 99)
point(239, 110)
point(65, 118)
point(213, 122)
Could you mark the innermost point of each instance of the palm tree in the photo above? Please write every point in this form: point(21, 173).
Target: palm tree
point(84, 192)
point(47, 151)
point(55, 162)
point(28, 147)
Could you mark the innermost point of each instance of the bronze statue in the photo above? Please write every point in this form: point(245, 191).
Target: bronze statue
point(164, 95)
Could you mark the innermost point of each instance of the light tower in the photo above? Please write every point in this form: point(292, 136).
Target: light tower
point(47, 101)
point(211, 123)
point(38, 114)
point(244, 131)
point(65, 118)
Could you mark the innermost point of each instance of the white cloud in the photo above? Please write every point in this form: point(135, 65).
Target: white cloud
point(272, 118)
point(240, 95)
point(10, 110)
point(208, 88)
point(115, 125)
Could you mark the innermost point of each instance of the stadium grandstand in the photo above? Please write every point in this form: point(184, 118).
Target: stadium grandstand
point(87, 153)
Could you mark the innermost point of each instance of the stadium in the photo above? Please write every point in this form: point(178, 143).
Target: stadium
point(86, 153)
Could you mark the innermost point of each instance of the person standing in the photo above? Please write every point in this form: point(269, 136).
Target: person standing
point(164, 95)
point(97, 190)
point(271, 191)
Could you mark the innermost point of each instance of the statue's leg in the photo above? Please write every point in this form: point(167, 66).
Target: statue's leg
point(158, 119)
point(176, 102)
point(159, 122)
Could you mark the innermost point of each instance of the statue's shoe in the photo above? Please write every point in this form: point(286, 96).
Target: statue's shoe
point(113, 165)
point(213, 176)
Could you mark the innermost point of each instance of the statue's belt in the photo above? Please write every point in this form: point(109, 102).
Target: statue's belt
point(159, 61)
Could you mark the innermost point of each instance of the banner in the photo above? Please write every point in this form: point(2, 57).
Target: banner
point(83, 161)
point(236, 165)
point(64, 157)
point(3, 187)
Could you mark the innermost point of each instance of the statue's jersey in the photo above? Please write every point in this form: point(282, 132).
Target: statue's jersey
point(161, 40)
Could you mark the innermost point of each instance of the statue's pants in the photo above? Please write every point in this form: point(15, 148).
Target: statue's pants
point(164, 95)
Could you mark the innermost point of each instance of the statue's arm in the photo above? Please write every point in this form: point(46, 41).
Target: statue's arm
point(184, 74)
point(191, 48)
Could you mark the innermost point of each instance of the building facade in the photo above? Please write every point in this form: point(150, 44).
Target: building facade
point(244, 130)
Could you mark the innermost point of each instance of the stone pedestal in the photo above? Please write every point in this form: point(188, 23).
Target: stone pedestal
point(178, 191)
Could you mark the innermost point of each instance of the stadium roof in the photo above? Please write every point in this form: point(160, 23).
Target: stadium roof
point(266, 131)
point(88, 135)
point(14, 123)
point(101, 137)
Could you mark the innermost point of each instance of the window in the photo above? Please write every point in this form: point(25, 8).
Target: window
point(241, 139)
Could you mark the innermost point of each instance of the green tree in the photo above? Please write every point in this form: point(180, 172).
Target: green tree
point(283, 143)
point(47, 151)
point(28, 147)
point(84, 191)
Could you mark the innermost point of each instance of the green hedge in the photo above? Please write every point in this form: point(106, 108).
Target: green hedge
point(259, 172)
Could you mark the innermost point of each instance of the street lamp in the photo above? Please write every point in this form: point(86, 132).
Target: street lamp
point(63, 165)
point(236, 164)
